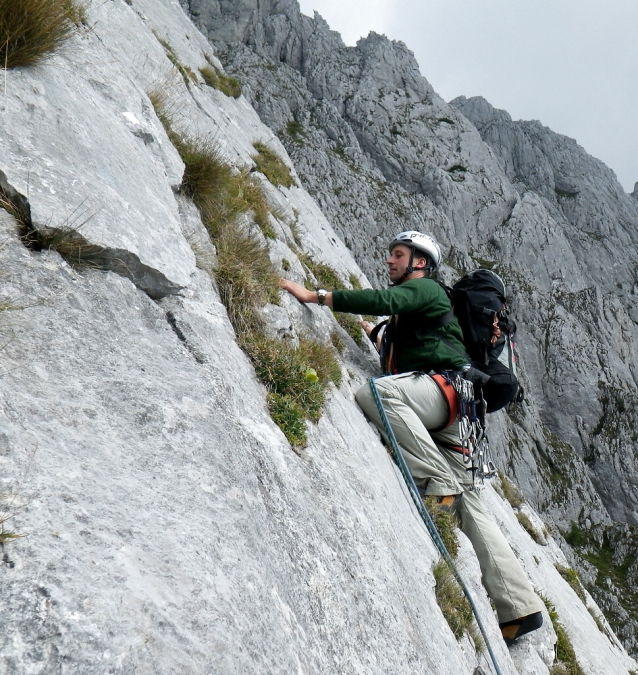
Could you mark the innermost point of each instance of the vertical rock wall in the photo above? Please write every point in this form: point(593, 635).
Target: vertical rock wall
point(169, 526)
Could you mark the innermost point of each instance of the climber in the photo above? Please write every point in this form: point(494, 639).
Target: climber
point(419, 409)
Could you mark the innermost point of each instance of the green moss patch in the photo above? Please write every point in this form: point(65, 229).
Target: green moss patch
point(272, 166)
point(230, 86)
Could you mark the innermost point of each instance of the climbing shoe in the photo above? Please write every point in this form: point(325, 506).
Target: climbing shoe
point(512, 630)
point(448, 502)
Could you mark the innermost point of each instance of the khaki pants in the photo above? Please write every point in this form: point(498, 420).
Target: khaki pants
point(413, 404)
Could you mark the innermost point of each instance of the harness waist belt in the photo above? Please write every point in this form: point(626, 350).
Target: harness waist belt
point(451, 398)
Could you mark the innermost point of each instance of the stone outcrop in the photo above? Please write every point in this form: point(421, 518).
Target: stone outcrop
point(170, 527)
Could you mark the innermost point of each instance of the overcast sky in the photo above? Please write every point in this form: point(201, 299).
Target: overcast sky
point(572, 64)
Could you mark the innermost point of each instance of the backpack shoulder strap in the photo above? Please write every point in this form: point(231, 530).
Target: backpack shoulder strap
point(374, 333)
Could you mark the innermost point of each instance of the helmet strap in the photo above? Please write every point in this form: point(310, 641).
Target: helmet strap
point(409, 269)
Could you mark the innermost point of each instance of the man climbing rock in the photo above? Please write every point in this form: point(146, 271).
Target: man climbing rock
point(421, 339)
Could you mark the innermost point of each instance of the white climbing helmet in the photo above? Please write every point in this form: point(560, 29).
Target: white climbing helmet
point(419, 242)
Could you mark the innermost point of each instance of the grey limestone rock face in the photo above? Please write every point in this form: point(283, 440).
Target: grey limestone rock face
point(170, 526)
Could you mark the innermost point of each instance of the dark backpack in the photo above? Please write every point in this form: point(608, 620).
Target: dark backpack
point(479, 304)
point(481, 309)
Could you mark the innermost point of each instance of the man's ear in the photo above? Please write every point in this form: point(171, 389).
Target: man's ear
point(419, 263)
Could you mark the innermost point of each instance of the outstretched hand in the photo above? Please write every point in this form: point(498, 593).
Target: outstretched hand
point(302, 293)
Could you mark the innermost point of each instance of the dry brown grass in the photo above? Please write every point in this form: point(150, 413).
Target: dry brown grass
point(31, 31)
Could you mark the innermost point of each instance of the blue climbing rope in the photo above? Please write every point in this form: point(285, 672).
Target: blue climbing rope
point(425, 516)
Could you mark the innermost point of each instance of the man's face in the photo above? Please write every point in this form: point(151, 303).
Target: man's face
point(399, 260)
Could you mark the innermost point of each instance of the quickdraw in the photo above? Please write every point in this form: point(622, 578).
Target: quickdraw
point(474, 443)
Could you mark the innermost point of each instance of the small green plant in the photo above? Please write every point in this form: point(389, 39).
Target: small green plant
point(323, 359)
point(76, 12)
point(7, 535)
point(272, 166)
point(295, 131)
point(6, 514)
point(285, 265)
point(566, 663)
point(31, 31)
point(446, 523)
point(325, 275)
point(351, 325)
point(510, 492)
point(294, 395)
point(337, 342)
point(289, 416)
point(571, 577)
point(454, 605)
point(230, 86)
point(187, 73)
point(354, 282)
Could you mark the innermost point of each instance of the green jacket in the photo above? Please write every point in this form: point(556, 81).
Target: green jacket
point(410, 305)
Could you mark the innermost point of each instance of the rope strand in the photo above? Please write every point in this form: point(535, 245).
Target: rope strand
point(427, 520)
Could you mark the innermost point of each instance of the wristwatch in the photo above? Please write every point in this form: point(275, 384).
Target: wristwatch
point(321, 297)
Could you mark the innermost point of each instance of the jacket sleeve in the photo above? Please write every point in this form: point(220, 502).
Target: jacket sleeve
point(408, 297)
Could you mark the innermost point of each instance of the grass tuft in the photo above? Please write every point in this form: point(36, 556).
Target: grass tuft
point(323, 359)
point(294, 395)
point(289, 416)
point(295, 131)
point(220, 193)
point(351, 325)
point(6, 535)
point(571, 577)
point(76, 13)
point(230, 86)
point(565, 662)
point(272, 166)
point(186, 72)
point(354, 282)
point(328, 278)
point(528, 526)
point(64, 238)
point(296, 378)
point(337, 342)
point(446, 523)
point(510, 492)
point(454, 605)
point(282, 368)
point(31, 31)
point(325, 275)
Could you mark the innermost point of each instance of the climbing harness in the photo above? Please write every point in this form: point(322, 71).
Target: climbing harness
point(425, 516)
point(475, 445)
